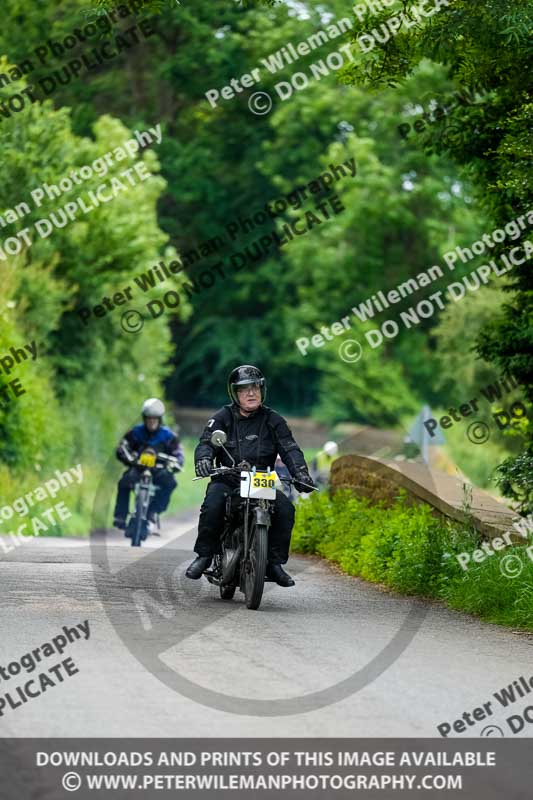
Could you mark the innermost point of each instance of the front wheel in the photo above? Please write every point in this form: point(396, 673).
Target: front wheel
point(255, 567)
point(139, 523)
point(227, 592)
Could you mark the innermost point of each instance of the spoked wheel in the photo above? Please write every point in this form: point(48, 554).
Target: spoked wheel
point(255, 567)
point(139, 522)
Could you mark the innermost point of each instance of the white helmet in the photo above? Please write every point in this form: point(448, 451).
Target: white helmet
point(153, 408)
point(331, 448)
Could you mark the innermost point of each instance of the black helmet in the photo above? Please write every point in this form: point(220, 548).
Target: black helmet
point(243, 375)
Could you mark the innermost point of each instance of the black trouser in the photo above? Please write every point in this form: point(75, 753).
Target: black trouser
point(211, 524)
point(162, 478)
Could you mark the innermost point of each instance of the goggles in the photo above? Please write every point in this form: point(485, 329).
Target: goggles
point(249, 387)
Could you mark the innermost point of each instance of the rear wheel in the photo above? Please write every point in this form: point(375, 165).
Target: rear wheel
point(255, 567)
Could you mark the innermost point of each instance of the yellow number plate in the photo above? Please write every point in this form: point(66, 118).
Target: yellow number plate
point(264, 480)
point(148, 459)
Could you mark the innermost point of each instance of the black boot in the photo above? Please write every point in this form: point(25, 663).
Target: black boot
point(276, 573)
point(198, 567)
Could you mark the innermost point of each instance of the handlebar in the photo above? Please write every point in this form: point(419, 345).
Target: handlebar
point(225, 470)
point(220, 471)
point(171, 460)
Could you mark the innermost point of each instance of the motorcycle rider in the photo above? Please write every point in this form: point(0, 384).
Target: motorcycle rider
point(255, 434)
point(151, 433)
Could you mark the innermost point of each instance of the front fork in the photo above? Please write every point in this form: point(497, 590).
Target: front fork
point(262, 516)
point(147, 488)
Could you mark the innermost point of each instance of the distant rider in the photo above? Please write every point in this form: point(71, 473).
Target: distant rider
point(321, 463)
point(151, 433)
point(255, 434)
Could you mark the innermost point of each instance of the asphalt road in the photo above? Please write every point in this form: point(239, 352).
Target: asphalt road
point(165, 655)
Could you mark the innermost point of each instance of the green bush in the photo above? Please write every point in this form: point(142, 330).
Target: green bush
point(414, 552)
point(86, 386)
point(515, 479)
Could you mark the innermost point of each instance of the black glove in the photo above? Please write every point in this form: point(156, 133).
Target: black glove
point(302, 478)
point(126, 457)
point(203, 468)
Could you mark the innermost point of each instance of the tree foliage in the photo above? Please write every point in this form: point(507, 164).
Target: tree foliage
point(482, 46)
point(87, 378)
point(411, 201)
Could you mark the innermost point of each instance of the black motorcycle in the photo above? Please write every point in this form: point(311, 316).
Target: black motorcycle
point(242, 561)
point(137, 525)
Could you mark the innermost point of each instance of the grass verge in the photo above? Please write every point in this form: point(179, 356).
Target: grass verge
point(34, 514)
point(413, 552)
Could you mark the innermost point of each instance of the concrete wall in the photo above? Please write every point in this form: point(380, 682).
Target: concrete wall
point(381, 481)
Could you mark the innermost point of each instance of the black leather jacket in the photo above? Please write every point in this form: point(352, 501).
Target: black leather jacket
point(257, 439)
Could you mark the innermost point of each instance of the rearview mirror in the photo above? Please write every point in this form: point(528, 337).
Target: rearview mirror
point(218, 438)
